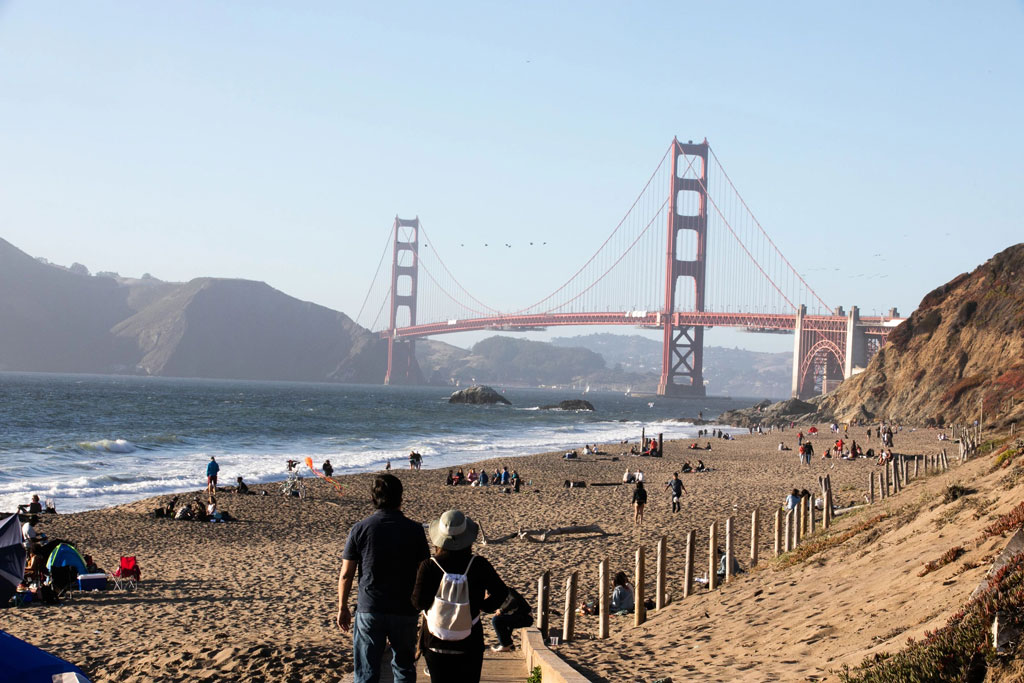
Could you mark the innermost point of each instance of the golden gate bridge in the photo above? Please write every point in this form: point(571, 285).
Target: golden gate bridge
point(687, 255)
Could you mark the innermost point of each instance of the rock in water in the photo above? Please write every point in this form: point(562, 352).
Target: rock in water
point(478, 394)
point(571, 404)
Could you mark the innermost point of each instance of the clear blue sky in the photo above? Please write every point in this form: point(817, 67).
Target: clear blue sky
point(277, 140)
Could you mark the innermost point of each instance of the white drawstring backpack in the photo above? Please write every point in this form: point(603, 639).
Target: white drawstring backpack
point(449, 617)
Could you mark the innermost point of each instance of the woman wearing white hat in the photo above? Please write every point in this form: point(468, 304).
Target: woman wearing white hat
point(452, 588)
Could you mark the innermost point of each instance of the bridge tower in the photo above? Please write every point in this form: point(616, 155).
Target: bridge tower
point(682, 359)
point(402, 365)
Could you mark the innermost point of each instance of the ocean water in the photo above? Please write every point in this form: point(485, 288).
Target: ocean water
point(89, 442)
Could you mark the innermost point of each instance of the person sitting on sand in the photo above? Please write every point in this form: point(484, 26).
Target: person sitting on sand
point(792, 500)
point(693, 446)
point(627, 478)
point(622, 596)
point(784, 447)
point(586, 449)
point(32, 508)
point(472, 476)
point(687, 467)
point(736, 569)
point(707, 446)
point(242, 489)
point(460, 477)
point(450, 479)
point(701, 467)
point(482, 479)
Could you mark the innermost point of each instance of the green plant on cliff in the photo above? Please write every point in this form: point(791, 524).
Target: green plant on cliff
point(958, 651)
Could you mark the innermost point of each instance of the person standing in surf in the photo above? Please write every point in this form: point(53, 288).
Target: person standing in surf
point(212, 468)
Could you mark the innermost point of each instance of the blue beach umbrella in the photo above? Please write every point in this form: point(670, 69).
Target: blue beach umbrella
point(26, 663)
point(12, 558)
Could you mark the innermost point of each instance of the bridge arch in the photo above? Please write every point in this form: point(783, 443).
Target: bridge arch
point(821, 351)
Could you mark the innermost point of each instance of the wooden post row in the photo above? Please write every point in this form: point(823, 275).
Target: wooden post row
point(639, 611)
point(754, 530)
point(602, 599)
point(691, 539)
point(543, 584)
point(659, 585)
point(797, 522)
point(788, 544)
point(569, 617)
point(778, 532)
point(713, 557)
point(728, 549)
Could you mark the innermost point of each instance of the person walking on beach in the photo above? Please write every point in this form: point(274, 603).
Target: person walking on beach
point(676, 484)
point(639, 501)
point(212, 468)
point(453, 588)
point(387, 547)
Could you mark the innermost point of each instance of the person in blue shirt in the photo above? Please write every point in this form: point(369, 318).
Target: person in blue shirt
point(212, 468)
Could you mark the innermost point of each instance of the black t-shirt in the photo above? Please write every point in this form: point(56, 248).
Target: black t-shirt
point(486, 593)
point(677, 486)
point(640, 496)
point(388, 547)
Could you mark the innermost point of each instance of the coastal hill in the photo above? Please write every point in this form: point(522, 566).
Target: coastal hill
point(958, 358)
point(66, 320)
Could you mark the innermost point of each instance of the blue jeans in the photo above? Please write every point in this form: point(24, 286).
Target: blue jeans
point(504, 623)
point(370, 634)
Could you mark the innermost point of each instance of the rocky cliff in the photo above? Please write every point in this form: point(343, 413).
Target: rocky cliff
point(959, 357)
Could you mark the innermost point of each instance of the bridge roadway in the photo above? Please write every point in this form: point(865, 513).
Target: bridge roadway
point(755, 322)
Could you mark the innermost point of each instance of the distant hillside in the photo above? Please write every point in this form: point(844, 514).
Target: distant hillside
point(959, 354)
point(55, 320)
point(64, 320)
point(728, 372)
point(507, 360)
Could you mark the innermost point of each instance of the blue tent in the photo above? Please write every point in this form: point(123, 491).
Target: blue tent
point(12, 558)
point(28, 664)
point(65, 556)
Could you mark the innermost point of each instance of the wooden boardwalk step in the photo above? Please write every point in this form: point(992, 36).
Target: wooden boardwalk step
point(499, 667)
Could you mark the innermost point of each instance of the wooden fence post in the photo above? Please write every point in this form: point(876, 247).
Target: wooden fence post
point(788, 544)
point(885, 486)
point(810, 515)
point(713, 557)
point(543, 585)
point(659, 585)
point(754, 530)
point(639, 611)
point(808, 504)
point(871, 488)
point(602, 599)
point(830, 509)
point(798, 522)
point(728, 549)
point(691, 539)
point(917, 460)
point(569, 618)
point(778, 532)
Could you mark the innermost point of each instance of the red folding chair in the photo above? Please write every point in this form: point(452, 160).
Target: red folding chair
point(127, 575)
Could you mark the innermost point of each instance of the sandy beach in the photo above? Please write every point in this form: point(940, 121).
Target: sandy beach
point(255, 599)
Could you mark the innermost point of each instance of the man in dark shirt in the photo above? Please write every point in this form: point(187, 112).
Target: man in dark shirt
point(676, 484)
point(387, 547)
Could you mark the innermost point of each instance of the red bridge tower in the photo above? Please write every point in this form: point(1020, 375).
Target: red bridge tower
point(682, 360)
point(402, 365)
